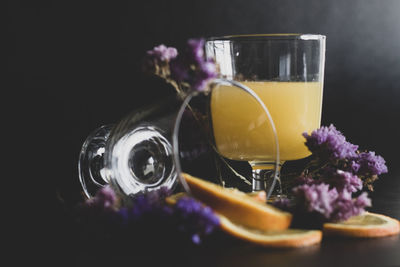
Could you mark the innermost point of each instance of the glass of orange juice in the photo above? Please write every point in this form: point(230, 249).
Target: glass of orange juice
point(286, 71)
point(200, 124)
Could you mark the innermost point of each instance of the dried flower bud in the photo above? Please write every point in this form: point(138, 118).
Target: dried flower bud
point(329, 143)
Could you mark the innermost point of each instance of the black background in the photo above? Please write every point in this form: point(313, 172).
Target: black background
point(75, 65)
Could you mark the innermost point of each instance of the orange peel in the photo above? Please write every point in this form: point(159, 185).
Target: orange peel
point(366, 225)
point(237, 206)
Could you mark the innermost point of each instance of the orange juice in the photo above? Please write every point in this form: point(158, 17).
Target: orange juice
point(242, 130)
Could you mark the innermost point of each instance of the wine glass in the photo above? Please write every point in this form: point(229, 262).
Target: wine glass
point(150, 147)
point(209, 120)
point(286, 71)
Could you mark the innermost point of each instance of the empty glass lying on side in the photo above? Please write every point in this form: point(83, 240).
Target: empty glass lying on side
point(150, 148)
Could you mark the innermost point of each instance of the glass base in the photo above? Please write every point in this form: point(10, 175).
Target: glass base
point(266, 177)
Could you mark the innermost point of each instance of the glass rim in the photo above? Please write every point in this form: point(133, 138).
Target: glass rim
point(269, 36)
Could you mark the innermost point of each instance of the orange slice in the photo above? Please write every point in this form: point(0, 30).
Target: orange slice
point(239, 207)
point(260, 196)
point(288, 238)
point(172, 199)
point(365, 225)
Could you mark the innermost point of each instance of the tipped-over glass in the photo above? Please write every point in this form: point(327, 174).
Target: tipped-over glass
point(150, 148)
point(286, 71)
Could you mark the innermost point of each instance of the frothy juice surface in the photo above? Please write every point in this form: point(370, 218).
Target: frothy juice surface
point(242, 130)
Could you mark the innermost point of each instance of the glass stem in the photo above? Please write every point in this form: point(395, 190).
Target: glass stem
point(266, 179)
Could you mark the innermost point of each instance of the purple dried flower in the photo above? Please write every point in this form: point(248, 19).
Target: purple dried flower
point(163, 53)
point(362, 201)
point(157, 60)
point(195, 51)
point(156, 197)
point(149, 204)
point(346, 207)
point(283, 203)
point(150, 215)
point(105, 200)
point(327, 142)
point(192, 68)
point(370, 164)
point(324, 188)
point(195, 219)
point(206, 71)
point(99, 214)
point(354, 166)
point(331, 204)
point(305, 179)
point(343, 180)
point(316, 198)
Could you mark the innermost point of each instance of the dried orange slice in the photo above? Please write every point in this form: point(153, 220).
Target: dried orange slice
point(260, 196)
point(287, 238)
point(239, 207)
point(172, 199)
point(365, 225)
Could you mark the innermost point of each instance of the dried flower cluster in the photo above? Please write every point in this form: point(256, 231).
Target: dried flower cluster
point(187, 70)
point(149, 215)
point(341, 159)
point(324, 190)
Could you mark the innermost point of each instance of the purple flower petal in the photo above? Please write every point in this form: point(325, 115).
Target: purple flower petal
point(331, 204)
point(369, 163)
point(163, 53)
point(327, 142)
point(105, 199)
point(346, 207)
point(195, 50)
point(192, 68)
point(195, 218)
point(345, 181)
point(317, 198)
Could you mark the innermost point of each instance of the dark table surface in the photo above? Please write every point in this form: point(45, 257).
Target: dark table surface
point(71, 249)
